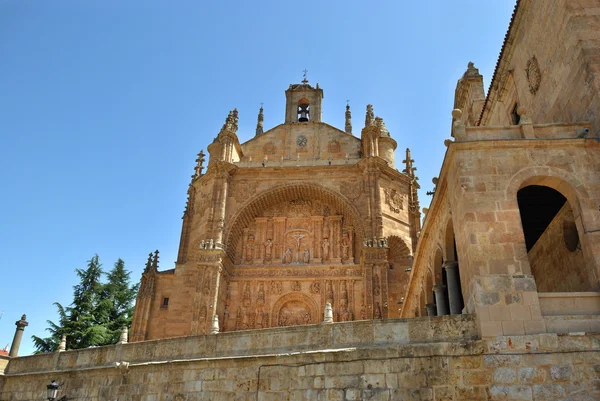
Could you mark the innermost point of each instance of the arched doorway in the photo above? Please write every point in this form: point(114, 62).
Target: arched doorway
point(553, 243)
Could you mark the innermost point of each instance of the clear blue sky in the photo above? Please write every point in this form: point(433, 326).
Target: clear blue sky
point(105, 104)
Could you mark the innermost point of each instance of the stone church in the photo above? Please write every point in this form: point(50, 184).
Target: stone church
point(301, 215)
point(492, 293)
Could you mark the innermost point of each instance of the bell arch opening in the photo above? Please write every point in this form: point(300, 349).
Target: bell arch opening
point(552, 239)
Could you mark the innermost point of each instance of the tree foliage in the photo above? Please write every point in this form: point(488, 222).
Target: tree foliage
point(99, 310)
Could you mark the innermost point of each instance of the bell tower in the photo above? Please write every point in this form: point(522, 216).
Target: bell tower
point(303, 103)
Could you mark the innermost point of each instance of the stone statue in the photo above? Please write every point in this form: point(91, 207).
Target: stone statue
point(345, 315)
point(259, 320)
point(287, 256)
point(212, 244)
point(306, 256)
point(345, 247)
point(202, 245)
point(250, 249)
point(377, 312)
point(268, 250)
point(325, 246)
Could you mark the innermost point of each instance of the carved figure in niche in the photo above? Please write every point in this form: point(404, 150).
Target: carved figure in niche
point(211, 244)
point(268, 250)
point(288, 256)
point(260, 299)
point(376, 286)
point(315, 287)
point(377, 311)
point(329, 292)
point(245, 320)
point(306, 256)
point(345, 247)
point(202, 245)
point(250, 249)
point(346, 315)
point(325, 246)
point(283, 319)
point(247, 295)
point(276, 287)
point(344, 297)
point(259, 321)
point(296, 286)
point(363, 312)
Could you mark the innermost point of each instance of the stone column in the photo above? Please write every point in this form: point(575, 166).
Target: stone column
point(317, 238)
point(14, 348)
point(278, 238)
point(431, 310)
point(454, 295)
point(260, 238)
point(335, 238)
point(440, 300)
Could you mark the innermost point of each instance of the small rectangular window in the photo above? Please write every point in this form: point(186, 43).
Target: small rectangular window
point(165, 303)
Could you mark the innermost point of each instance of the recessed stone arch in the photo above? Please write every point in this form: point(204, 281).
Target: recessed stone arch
point(285, 193)
point(295, 302)
point(449, 243)
point(399, 250)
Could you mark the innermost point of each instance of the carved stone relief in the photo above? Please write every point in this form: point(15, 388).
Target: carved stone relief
point(351, 189)
point(394, 200)
point(534, 75)
point(334, 147)
point(296, 286)
point(243, 190)
point(269, 148)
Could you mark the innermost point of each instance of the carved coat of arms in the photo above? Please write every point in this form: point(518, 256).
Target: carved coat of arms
point(394, 200)
point(534, 75)
point(351, 189)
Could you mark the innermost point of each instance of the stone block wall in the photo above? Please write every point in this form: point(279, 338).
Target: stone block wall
point(539, 367)
point(556, 268)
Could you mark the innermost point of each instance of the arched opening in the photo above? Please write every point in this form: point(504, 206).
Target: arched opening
point(552, 240)
point(399, 258)
point(452, 272)
point(303, 110)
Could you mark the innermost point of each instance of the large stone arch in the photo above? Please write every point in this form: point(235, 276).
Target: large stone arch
point(295, 298)
point(555, 178)
point(579, 200)
point(399, 250)
point(288, 192)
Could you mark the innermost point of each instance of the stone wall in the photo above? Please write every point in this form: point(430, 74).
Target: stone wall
point(395, 360)
point(556, 268)
point(548, 65)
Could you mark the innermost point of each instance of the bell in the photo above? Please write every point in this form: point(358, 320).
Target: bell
point(303, 116)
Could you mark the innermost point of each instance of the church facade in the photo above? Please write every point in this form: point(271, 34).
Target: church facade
point(496, 297)
point(301, 215)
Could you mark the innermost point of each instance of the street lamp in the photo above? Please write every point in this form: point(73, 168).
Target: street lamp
point(52, 390)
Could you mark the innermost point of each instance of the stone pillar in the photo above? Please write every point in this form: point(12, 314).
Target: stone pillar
point(260, 238)
point(440, 300)
point(14, 348)
point(335, 239)
point(278, 238)
point(454, 294)
point(317, 238)
point(431, 310)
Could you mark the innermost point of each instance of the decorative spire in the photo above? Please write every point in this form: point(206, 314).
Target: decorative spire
point(382, 128)
point(410, 169)
point(259, 124)
point(155, 261)
point(305, 81)
point(231, 122)
point(369, 117)
point(199, 164)
point(148, 263)
point(348, 118)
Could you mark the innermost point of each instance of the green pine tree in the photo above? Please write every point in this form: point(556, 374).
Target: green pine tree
point(118, 301)
point(81, 322)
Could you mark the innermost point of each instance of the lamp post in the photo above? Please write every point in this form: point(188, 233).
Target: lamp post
point(52, 390)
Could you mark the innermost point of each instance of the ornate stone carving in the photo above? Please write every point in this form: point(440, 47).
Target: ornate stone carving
point(243, 190)
point(376, 311)
point(315, 287)
point(260, 298)
point(268, 250)
point(394, 200)
point(346, 244)
point(297, 272)
point(534, 75)
point(247, 296)
point(269, 148)
point(325, 245)
point(276, 287)
point(296, 286)
point(334, 146)
point(376, 285)
point(351, 189)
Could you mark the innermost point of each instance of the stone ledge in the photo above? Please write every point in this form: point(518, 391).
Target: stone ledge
point(366, 333)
